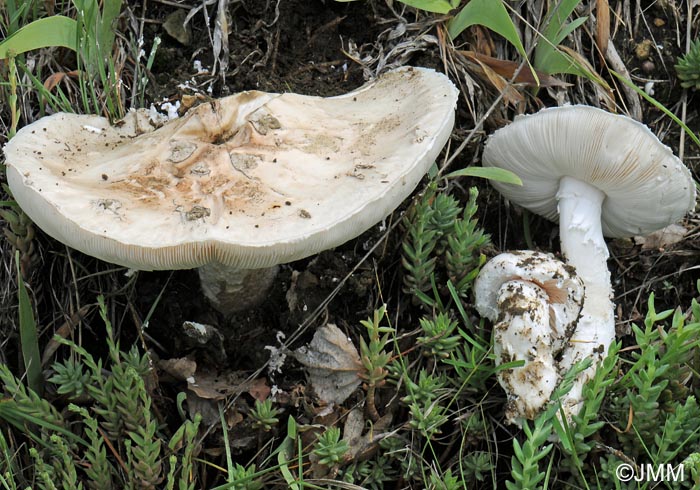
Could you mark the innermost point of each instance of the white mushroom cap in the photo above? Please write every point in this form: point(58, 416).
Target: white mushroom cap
point(250, 180)
point(646, 187)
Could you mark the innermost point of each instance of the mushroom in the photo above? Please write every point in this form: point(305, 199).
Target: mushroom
point(534, 301)
point(237, 185)
point(598, 174)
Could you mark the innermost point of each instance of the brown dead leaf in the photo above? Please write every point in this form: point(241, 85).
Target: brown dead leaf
point(333, 364)
point(507, 69)
point(64, 331)
point(214, 386)
point(56, 78)
point(181, 368)
point(176, 27)
point(510, 93)
point(484, 43)
point(259, 389)
point(662, 238)
point(207, 409)
point(361, 447)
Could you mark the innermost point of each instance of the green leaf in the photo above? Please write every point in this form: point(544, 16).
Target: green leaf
point(28, 335)
point(548, 57)
point(436, 6)
point(488, 13)
point(285, 453)
point(43, 33)
point(556, 22)
point(491, 173)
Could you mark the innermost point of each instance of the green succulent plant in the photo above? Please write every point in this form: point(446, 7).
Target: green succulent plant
point(688, 67)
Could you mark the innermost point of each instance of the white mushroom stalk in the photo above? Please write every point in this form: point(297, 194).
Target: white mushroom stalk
point(237, 185)
point(231, 289)
point(534, 301)
point(598, 174)
point(584, 247)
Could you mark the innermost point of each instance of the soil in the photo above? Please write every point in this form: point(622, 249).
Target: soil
point(300, 46)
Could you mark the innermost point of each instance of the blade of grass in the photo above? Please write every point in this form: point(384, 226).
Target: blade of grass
point(227, 445)
point(659, 106)
point(28, 335)
point(42, 33)
point(491, 173)
point(10, 414)
point(285, 453)
point(435, 6)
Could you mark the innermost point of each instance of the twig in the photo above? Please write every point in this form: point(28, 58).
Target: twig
point(684, 97)
point(612, 56)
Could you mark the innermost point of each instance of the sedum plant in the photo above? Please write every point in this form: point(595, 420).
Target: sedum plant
point(442, 235)
point(264, 415)
point(330, 448)
point(109, 435)
point(688, 67)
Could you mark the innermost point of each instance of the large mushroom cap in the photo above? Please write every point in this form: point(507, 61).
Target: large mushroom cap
point(646, 187)
point(250, 180)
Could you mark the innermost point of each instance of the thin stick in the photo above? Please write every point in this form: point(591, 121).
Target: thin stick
point(684, 97)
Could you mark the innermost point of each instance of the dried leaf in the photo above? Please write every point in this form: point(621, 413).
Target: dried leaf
point(333, 364)
point(662, 238)
point(362, 447)
point(53, 80)
point(507, 69)
point(177, 27)
point(603, 25)
point(213, 386)
point(259, 389)
point(64, 331)
point(510, 94)
point(207, 409)
point(180, 369)
point(484, 43)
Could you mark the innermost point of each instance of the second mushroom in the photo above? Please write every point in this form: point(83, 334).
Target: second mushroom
point(598, 174)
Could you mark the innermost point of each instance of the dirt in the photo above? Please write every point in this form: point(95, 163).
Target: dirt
point(300, 49)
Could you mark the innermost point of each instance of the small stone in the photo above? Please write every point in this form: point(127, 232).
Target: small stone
point(175, 26)
point(648, 67)
point(643, 49)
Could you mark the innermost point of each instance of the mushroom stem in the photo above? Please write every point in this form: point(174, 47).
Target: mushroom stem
point(231, 289)
point(582, 244)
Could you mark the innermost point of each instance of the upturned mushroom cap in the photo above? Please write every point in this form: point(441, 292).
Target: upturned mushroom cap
point(534, 301)
point(559, 282)
point(250, 180)
point(646, 187)
point(523, 333)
